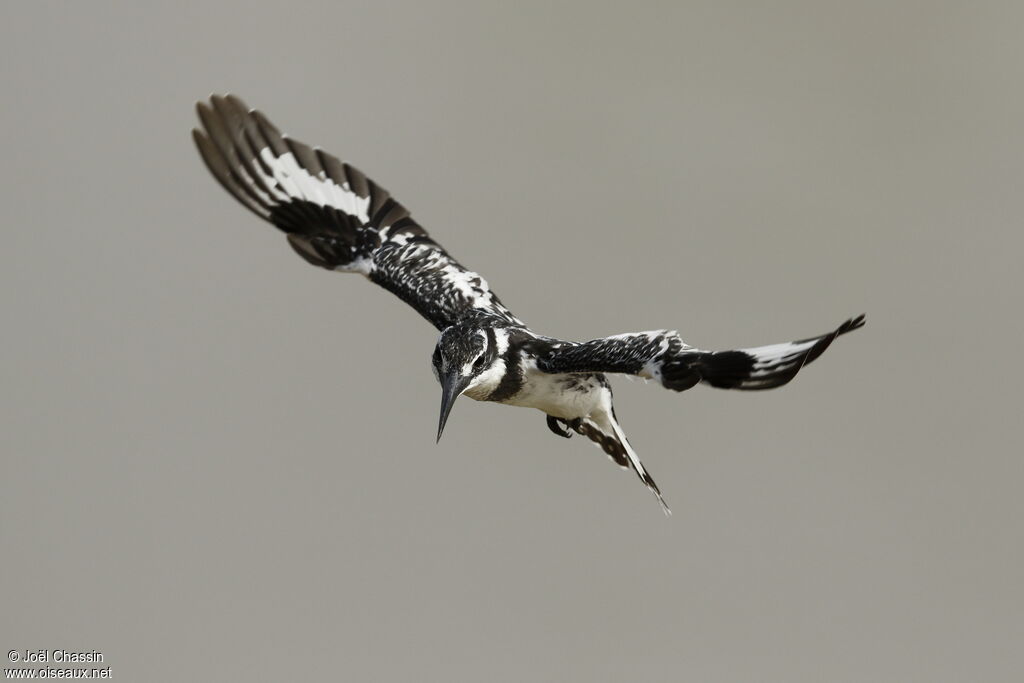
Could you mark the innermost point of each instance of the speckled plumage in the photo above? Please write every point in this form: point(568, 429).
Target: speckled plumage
point(336, 218)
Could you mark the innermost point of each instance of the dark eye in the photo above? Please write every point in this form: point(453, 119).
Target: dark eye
point(478, 364)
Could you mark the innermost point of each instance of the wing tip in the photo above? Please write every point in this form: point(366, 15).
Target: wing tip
point(854, 323)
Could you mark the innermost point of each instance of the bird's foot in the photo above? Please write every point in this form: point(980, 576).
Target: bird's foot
point(554, 424)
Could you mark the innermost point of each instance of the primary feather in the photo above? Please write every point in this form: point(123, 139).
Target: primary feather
point(334, 216)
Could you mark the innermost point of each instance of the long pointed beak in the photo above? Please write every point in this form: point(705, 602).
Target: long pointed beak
point(452, 387)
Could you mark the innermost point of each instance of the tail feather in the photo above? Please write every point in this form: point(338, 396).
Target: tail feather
point(604, 430)
point(639, 468)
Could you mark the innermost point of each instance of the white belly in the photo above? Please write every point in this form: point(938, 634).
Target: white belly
point(564, 396)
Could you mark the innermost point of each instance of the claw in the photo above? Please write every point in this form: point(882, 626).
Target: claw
point(553, 425)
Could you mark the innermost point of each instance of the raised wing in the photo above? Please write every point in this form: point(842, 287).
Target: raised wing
point(663, 356)
point(334, 216)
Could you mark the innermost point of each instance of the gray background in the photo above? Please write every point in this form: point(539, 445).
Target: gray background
point(218, 462)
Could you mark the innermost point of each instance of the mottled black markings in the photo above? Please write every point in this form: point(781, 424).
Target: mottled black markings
point(626, 354)
point(459, 344)
point(424, 278)
point(463, 344)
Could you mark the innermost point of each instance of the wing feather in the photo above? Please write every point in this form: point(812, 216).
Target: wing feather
point(663, 356)
point(334, 216)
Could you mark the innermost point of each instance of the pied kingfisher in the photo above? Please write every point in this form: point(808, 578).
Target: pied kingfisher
point(337, 218)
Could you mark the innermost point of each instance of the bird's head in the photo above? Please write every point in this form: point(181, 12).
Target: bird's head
point(465, 361)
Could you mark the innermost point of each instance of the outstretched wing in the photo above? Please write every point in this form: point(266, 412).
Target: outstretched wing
point(663, 356)
point(334, 216)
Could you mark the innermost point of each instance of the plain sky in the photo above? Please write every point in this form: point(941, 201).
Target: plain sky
point(219, 463)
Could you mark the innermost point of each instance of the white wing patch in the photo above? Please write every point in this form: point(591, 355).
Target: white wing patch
point(776, 357)
point(294, 181)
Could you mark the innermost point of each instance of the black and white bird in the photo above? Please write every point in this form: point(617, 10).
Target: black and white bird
point(335, 217)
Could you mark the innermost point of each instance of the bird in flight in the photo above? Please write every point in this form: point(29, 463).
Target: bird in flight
point(336, 218)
